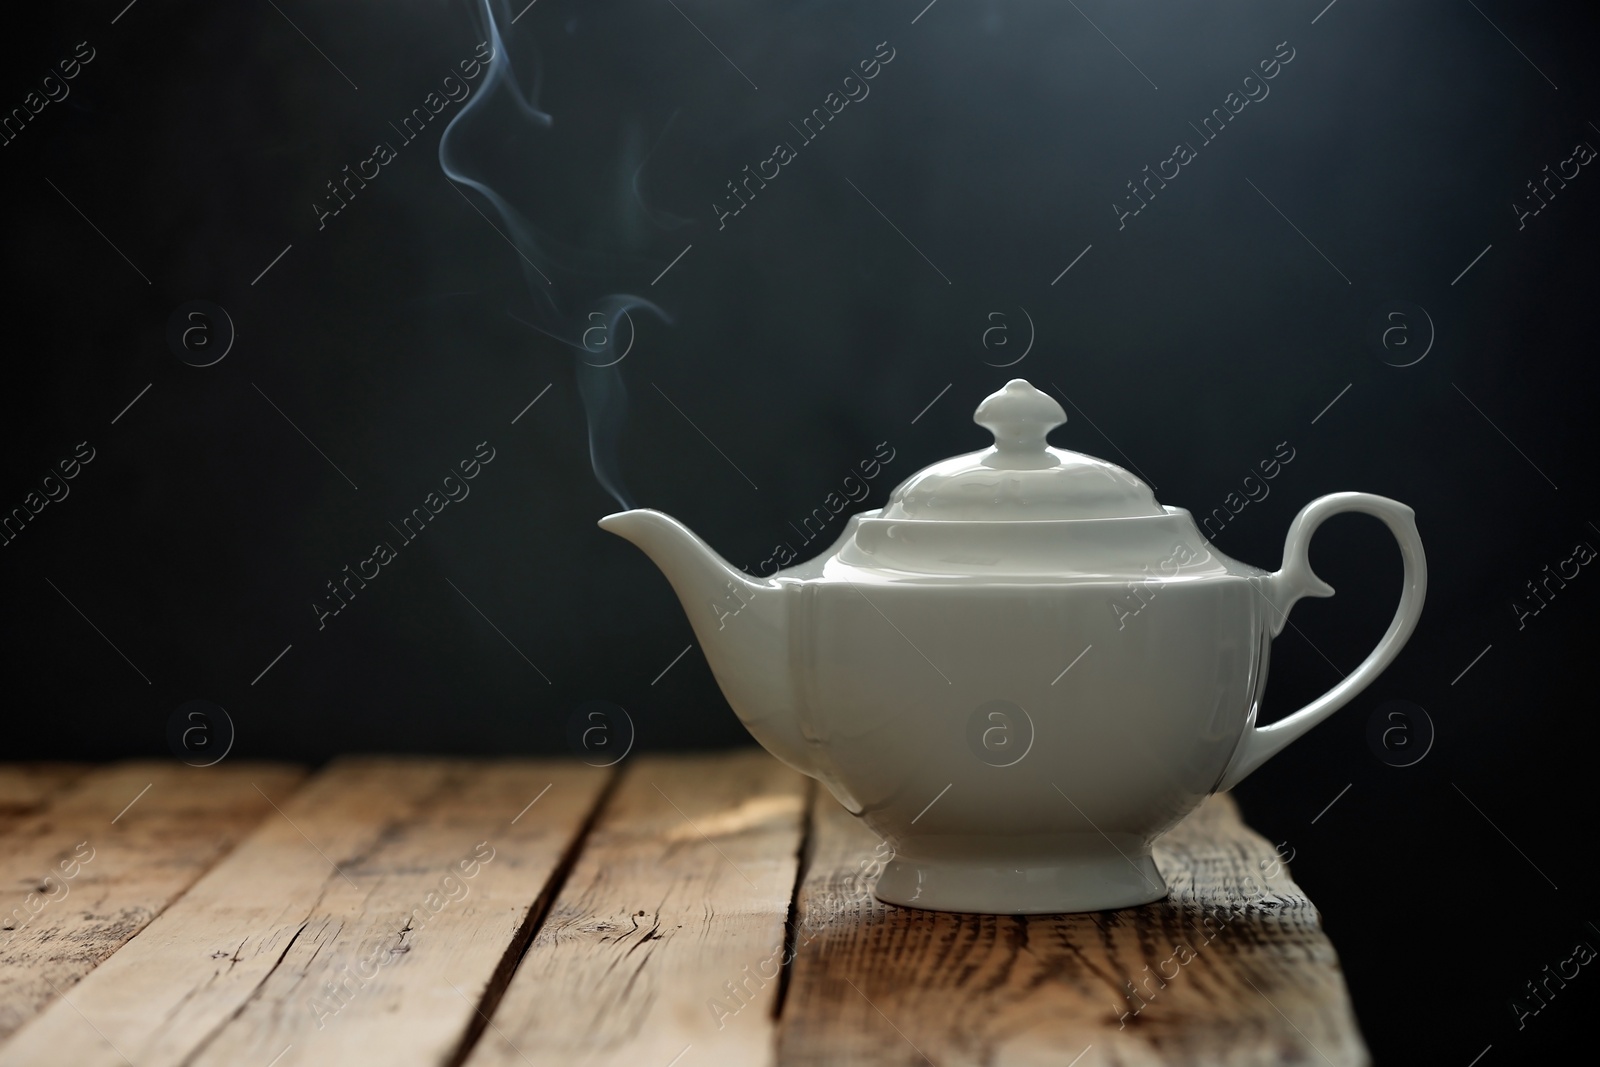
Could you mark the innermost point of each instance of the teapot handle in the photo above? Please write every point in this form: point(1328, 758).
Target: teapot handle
point(1295, 580)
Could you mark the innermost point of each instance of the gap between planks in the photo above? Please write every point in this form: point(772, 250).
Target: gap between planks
point(500, 980)
point(683, 887)
point(791, 923)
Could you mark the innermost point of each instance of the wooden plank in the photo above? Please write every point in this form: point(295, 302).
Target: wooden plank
point(681, 893)
point(25, 788)
point(1232, 968)
point(103, 857)
point(362, 923)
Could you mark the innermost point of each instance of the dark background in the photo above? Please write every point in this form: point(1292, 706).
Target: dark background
point(192, 148)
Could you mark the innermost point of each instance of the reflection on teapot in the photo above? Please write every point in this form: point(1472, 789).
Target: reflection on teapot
point(1022, 669)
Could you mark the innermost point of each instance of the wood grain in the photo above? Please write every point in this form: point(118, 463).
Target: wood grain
point(86, 871)
point(1232, 968)
point(346, 929)
point(524, 912)
point(677, 905)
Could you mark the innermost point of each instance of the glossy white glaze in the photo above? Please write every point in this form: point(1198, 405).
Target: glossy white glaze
point(1020, 671)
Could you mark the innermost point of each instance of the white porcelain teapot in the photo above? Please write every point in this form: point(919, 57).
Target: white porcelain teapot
point(1022, 669)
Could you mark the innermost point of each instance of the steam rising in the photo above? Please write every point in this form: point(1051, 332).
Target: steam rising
point(573, 320)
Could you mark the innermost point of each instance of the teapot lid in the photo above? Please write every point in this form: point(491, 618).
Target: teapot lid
point(1021, 477)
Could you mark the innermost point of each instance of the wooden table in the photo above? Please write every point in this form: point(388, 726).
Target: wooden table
point(672, 912)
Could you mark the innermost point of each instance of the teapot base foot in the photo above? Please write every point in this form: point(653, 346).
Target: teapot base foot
point(1094, 882)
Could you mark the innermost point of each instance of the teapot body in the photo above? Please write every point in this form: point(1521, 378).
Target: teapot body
point(1020, 745)
point(1023, 668)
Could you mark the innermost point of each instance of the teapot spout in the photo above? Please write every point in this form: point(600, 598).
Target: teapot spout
point(742, 624)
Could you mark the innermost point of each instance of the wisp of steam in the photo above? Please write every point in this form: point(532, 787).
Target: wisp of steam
point(569, 320)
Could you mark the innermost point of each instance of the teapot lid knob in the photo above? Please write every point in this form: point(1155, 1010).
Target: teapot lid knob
point(1020, 477)
point(1020, 417)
